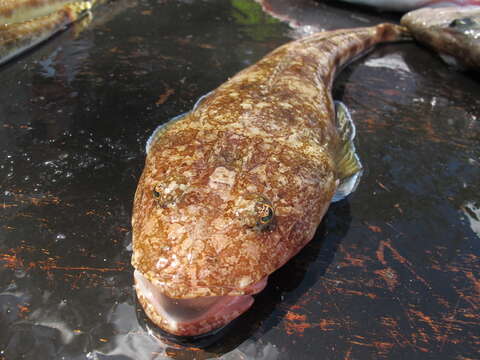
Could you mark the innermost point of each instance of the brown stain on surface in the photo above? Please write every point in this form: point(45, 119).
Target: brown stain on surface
point(295, 323)
point(389, 276)
point(164, 97)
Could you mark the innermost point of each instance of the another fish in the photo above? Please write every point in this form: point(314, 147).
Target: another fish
point(237, 186)
point(17, 11)
point(407, 5)
point(17, 37)
point(453, 32)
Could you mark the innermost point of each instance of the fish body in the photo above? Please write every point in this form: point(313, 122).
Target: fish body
point(453, 32)
point(25, 24)
point(407, 5)
point(237, 186)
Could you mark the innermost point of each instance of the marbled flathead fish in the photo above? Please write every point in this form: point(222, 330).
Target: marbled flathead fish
point(407, 5)
point(237, 186)
point(25, 24)
point(453, 32)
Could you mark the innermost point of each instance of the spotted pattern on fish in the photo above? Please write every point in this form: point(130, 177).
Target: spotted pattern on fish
point(237, 186)
point(16, 11)
point(18, 37)
point(270, 130)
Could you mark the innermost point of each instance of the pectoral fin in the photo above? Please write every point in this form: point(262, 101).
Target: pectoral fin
point(349, 167)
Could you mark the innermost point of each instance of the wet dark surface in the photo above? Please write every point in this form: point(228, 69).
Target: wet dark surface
point(393, 272)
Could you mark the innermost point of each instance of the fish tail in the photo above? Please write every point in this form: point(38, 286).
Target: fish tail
point(351, 44)
point(392, 33)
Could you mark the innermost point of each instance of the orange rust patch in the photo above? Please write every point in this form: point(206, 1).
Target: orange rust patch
point(475, 281)
point(48, 267)
point(4, 205)
point(374, 228)
point(355, 292)
point(426, 319)
point(396, 255)
point(11, 261)
point(327, 325)
point(351, 261)
point(24, 310)
point(207, 46)
point(389, 276)
point(383, 347)
point(294, 316)
point(296, 324)
point(382, 186)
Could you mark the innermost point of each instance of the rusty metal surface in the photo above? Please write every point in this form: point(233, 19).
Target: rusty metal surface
point(393, 272)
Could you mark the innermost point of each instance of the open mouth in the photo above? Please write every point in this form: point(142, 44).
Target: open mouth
point(196, 316)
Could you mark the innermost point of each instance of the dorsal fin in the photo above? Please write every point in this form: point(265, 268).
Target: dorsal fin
point(349, 167)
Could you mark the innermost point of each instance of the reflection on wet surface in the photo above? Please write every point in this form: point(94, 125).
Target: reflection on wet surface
point(392, 272)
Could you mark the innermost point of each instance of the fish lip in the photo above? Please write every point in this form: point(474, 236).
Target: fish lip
point(231, 307)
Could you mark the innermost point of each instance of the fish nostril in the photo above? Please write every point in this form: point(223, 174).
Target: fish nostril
point(264, 212)
point(256, 211)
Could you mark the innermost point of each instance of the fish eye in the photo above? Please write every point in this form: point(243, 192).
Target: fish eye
point(264, 212)
point(169, 191)
point(462, 22)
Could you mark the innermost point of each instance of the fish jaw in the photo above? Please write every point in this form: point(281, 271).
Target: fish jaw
point(191, 317)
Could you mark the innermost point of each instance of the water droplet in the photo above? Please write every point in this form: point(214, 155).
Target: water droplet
point(60, 237)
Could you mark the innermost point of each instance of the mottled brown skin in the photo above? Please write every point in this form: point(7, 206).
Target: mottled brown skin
point(15, 38)
point(432, 28)
point(266, 136)
point(15, 11)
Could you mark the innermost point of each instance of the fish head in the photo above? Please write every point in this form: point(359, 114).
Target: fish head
point(198, 246)
point(210, 226)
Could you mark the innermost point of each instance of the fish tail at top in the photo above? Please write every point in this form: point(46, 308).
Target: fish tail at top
point(388, 32)
point(333, 50)
point(360, 42)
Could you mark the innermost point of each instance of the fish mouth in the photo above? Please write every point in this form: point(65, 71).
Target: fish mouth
point(192, 317)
